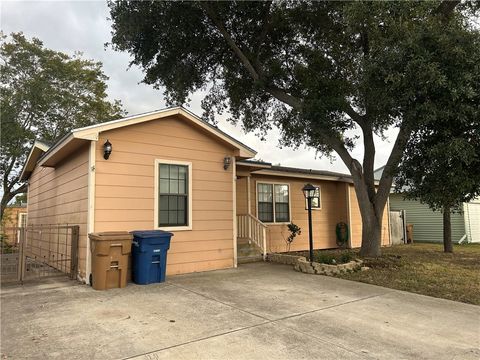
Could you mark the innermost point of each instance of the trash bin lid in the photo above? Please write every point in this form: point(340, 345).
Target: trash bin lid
point(110, 235)
point(150, 234)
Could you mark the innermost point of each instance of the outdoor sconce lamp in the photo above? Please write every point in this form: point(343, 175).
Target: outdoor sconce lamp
point(227, 160)
point(309, 193)
point(107, 149)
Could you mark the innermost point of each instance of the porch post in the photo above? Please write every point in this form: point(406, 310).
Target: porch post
point(234, 201)
point(249, 225)
point(249, 201)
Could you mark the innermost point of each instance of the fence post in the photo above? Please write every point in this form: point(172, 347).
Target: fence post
point(21, 255)
point(74, 252)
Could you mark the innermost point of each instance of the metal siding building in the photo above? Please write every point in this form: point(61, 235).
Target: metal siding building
point(427, 224)
point(471, 213)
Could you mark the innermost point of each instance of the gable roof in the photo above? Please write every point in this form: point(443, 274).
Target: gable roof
point(78, 137)
point(37, 150)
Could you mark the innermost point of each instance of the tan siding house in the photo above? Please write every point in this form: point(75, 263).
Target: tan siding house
point(170, 170)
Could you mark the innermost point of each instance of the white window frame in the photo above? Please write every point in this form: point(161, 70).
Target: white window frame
point(22, 215)
point(319, 199)
point(258, 182)
point(157, 191)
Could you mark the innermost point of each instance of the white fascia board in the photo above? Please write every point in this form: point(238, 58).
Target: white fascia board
point(301, 175)
point(56, 149)
point(36, 145)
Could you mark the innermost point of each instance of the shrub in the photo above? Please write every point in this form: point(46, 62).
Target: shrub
point(294, 231)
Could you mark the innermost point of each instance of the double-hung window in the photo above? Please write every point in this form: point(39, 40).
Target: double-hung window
point(174, 198)
point(273, 202)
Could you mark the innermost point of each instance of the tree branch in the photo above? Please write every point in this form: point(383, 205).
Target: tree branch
point(369, 159)
point(213, 16)
point(390, 167)
point(275, 91)
point(446, 7)
point(355, 116)
point(284, 97)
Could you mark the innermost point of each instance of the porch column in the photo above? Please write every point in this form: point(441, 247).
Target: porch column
point(249, 209)
point(249, 202)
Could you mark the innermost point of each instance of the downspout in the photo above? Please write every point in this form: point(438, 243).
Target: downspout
point(91, 207)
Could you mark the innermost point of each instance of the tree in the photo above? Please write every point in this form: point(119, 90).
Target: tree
point(441, 166)
point(20, 199)
point(44, 94)
point(312, 69)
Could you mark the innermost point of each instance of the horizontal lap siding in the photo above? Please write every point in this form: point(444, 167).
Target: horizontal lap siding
point(324, 220)
point(60, 196)
point(356, 223)
point(427, 224)
point(242, 197)
point(125, 183)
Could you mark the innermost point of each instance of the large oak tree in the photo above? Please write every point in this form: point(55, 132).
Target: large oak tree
point(44, 94)
point(314, 69)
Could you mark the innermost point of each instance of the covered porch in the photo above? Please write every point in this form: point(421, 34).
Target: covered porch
point(268, 198)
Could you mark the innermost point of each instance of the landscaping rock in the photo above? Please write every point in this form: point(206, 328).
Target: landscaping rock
point(301, 264)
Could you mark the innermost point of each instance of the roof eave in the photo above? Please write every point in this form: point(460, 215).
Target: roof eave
point(38, 148)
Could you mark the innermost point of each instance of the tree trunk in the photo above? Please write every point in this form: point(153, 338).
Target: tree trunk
point(447, 231)
point(371, 234)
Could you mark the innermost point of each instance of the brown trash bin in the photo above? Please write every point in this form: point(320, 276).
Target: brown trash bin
point(409, 233)
point(110, 253)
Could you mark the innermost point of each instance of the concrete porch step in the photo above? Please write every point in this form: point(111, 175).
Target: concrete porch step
point(249, 259)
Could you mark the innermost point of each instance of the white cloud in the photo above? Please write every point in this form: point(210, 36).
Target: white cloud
point(83, 26)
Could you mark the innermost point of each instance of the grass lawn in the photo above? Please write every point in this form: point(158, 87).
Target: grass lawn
point(426, 269)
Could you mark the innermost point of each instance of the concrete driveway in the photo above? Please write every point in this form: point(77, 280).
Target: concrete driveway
point(258, 311)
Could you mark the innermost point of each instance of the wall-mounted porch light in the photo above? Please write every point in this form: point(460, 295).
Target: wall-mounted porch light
point(227, 160)
point(107, 149)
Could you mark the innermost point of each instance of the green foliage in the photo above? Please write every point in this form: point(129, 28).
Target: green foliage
point(5, 246)
point(44, 94)
point(294, 231)
point(324, 258)
point(20, 199)
point(314, 69)
point(333, 258)
point(346, 257)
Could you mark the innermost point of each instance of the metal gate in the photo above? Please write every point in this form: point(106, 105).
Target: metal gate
point(38, 251)
point(398, 226)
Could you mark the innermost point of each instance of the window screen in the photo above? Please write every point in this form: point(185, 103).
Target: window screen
point(173, 195)
point(281, 203)
point(265, 202)
point(273, 203)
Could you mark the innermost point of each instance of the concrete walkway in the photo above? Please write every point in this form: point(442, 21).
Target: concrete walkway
point(258, 311)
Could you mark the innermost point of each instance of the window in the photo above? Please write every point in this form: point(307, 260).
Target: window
point(174, 200)
point(273, 202)
point(22, 220)
point(316, 204)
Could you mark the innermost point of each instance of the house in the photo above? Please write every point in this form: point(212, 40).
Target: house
point(170, 170)
point(15, 216)
point(428, 224)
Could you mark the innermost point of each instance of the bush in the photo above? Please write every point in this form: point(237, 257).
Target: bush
point(5, 247)
point(333, 258)
point(324, 258)
point(346, 257)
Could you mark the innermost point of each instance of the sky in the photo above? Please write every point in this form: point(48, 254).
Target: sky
point(83, 26)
